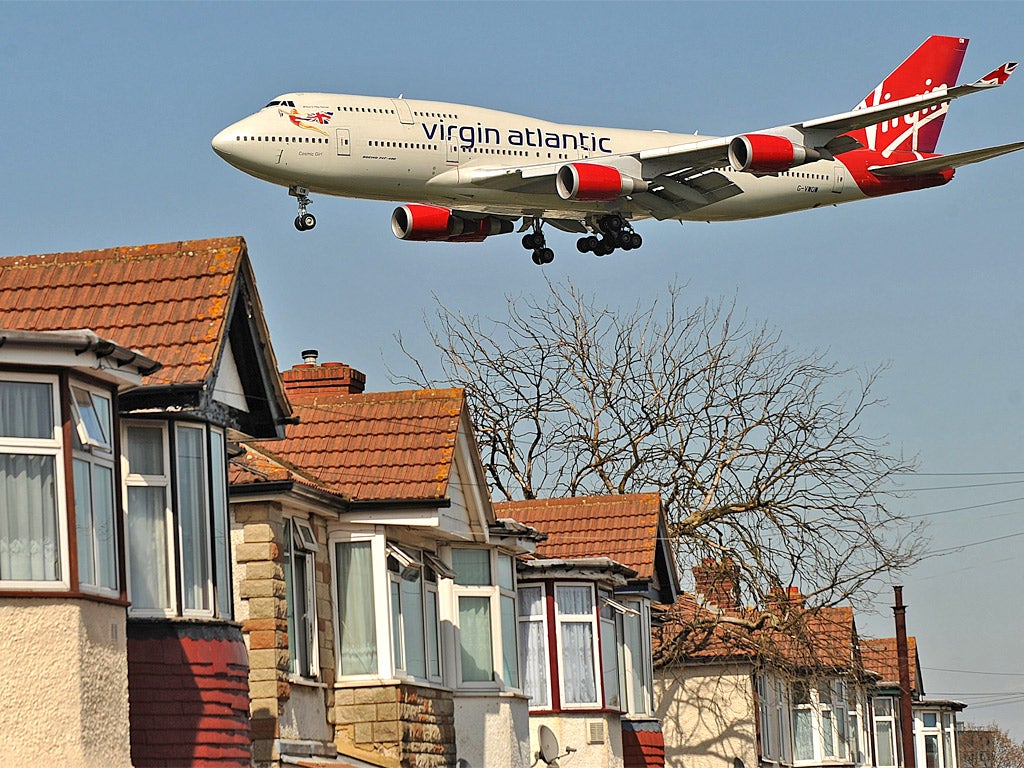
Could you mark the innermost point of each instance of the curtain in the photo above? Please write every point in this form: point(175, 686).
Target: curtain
point(475, 639)
point(472, 567)
point(803, 736)
point(534, 662)
point(29, 546)
point(26, 410)
point(574, 601)
point(578, 663)
point(357, 630)
point(148, 547)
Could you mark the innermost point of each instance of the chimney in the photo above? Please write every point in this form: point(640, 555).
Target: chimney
point(718, 582)
point(315, 378)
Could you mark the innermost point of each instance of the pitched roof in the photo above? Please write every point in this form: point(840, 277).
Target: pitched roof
point(181, 304)
point(169, 301)
point(623, 527)
point(376, 446)
point(880, 656)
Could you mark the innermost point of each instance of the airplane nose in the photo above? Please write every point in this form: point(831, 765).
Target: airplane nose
point(224, 142)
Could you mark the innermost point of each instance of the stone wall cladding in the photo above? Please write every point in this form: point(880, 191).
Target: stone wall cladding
point(409, 723)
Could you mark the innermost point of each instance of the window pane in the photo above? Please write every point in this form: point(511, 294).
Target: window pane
point(475, 639)
point(883, 743)
point(639, 701)
point(510, 656)
point(26, 409)
point(145, 451)
point(193, 520)
point(357, 630)
point(433, 654)
point(802, 734)
point(578, 660)
point(532, 651)
point(300, 595)
point(931, 750)
point(148, 567)
point(610, 664)
point(106, 531)
point(506, 578)
point(95, 417)
point(83, 521)
point(396, 626)
point(412, 624)
point(29, 546)
point(574, 601)
point(531, 601)
point(221, 530)
point(472, 567)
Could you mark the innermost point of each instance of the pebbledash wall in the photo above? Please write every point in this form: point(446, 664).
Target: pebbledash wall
point(67, 697)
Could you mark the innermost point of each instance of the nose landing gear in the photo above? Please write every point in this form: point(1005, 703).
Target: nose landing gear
point(304, 220)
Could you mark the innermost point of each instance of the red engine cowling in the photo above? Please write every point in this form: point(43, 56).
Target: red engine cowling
point(761, 153)
point(590, 182)
point(431, 223)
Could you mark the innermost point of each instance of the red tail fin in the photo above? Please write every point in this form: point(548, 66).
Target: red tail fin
point(935, 64)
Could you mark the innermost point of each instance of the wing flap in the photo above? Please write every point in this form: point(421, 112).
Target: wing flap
point(944, 162)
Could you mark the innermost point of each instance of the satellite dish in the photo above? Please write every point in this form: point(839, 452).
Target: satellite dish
point(548, 745)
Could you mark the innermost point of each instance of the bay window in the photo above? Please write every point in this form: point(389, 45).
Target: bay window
point(772, 703)
point(820, 721)
point(934, 732)
point(178, 561)
point(33, 539)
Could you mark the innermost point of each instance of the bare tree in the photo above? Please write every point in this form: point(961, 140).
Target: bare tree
point(757, 450)
point(988, 747)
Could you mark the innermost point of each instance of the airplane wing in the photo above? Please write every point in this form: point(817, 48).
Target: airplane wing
point(683, 177)
point(944, 162)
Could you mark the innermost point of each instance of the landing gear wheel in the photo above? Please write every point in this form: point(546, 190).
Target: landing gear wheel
point(635, 241)
point(298, 224)
point(546, 255)
point(582, 245)
point(536, 258)
point(308, 221)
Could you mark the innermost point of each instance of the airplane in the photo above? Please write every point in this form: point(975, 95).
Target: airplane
point(467, 173)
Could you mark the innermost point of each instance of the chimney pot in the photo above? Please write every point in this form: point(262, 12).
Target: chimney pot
point(309, 356)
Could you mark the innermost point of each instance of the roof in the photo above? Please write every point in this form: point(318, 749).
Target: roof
point(376, 446)
point(169, 301)
point(623, 527)
point(181, 304)
point(881, 657)
point(814, 638)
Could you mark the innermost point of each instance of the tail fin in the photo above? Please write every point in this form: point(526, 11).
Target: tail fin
point(935, 64)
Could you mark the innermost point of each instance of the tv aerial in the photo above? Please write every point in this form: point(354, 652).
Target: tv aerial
point(549, 749)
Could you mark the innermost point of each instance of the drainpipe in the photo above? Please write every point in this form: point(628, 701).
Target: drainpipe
point(902, 653)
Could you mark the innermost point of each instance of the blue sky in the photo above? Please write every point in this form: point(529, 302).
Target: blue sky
point(111, 107)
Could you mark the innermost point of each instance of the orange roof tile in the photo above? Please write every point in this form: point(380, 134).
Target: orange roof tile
point(623, 528)
point(169, 301)
point(880, 656)
point(376, 446)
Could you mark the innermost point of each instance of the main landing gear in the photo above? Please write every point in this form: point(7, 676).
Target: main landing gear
point(615, 231)
point(534, 241)
point(304, 220)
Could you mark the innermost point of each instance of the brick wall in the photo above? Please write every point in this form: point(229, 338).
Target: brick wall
point(188, 693)
point(407, 723)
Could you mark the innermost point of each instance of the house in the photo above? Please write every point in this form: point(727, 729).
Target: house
point(377, 586)
point(737, 687)
point(934, 720)
point(120, 646)
point(585, 603)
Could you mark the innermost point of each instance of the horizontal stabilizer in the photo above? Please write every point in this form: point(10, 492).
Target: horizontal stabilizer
point(944, 162)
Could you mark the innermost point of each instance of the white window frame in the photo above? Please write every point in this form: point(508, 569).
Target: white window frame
point(381, 602)
point(545, 651)
point(53, 447)
point(561, 619)
point(95, 452)
point(205, 517)
point(941, 731)
point(151, 481)
point(494, 592)
point(892, 718)
point(641, 610)
point(304, 543)
point(410, 559)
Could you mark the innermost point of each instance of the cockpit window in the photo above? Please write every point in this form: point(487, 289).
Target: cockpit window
point(281, 104)
point(273, 104)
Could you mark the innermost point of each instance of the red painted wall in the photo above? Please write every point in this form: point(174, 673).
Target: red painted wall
point(643, 744)
point(188, 694)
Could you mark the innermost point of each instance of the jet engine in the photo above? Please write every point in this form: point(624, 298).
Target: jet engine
point(761, 153)
point(589, 182)
point(430, 223)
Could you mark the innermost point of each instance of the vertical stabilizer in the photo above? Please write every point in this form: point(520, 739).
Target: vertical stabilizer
point(935, 64)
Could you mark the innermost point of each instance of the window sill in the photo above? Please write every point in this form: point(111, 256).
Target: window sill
point(306, 682)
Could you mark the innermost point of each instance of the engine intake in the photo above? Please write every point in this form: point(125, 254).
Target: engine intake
point(762, 153)
point(429, 223)
point(589, 182)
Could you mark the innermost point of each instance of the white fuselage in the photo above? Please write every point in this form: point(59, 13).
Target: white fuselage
point(415, 151)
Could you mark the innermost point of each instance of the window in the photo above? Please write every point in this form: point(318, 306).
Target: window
point(934, 733)
point(885, 731)
point(187, 517)
point(93, 470)
point(357, 627)
point(414, 613)
point(300, 596)
point(772, 703)
point(577, 639)
point(533, 645)
point(636, 657)
point(820, 720)
point(486, 613)
point(33, 542)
